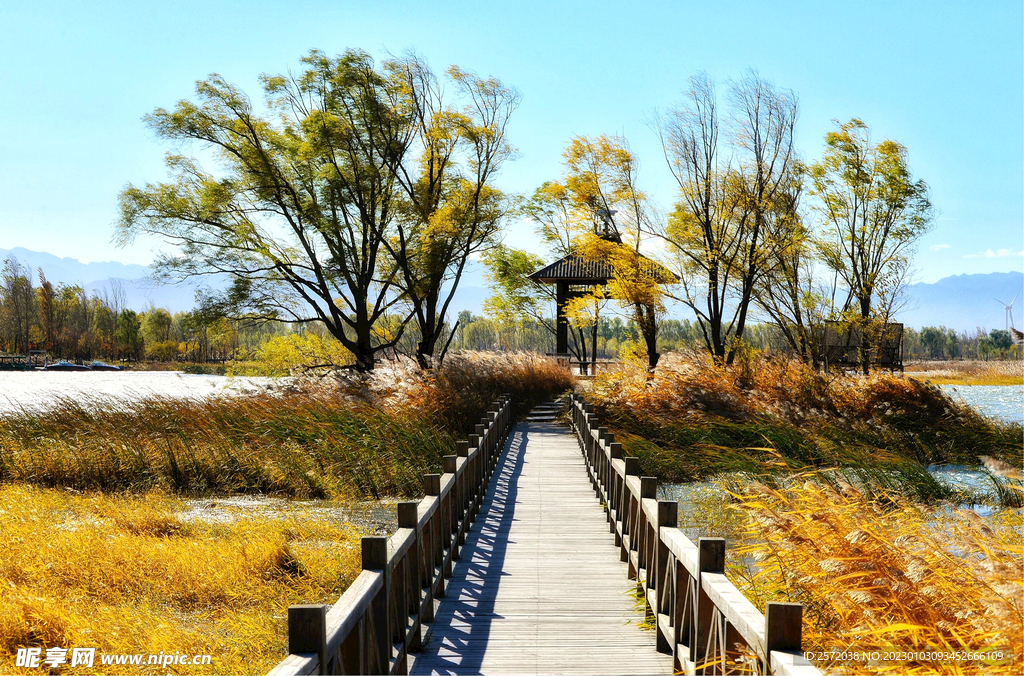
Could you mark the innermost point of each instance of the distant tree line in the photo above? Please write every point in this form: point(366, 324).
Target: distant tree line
point(475, 332)
point(67, 323)
point(939, 342)
point(354, 204)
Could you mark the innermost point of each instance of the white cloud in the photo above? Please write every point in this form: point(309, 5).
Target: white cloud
point(939, 247)
point(999, 253)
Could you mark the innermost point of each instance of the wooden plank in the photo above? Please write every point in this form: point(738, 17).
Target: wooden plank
point(346, 613)
point(426, 509)
point(682, 548)
point(650, 507)
point(399, 543)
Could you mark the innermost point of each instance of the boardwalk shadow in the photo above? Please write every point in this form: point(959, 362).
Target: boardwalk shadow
point(462, 626)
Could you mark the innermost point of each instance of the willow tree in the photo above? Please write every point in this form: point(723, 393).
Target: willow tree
point(351, 205)
point(451, 208)
point(873, 212)
point(301, 205)
point(792, 296)
point(736, 210)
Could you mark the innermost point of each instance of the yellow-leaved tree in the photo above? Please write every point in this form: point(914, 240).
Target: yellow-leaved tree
point(608, 216)
point(736, 220)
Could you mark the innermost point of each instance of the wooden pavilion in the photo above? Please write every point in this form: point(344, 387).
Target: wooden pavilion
point(575, 276)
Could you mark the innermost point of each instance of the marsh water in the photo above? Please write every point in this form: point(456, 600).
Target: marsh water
point(377, 518)
point(39, 390)
point(1003, 402)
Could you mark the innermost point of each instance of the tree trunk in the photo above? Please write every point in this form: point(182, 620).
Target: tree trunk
point(428, 333)
point(865, 341)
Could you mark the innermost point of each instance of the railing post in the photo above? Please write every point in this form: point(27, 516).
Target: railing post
point(667, 518)
point(481, 449)
point(605, 464)
point(710, 559)
point(375, 557)
point(492, 447)
point(615, 451)
point(408, 517)
point(467, 481)
point(307, 632)
point(597, 452)
point(783, 629)
point(645, 531)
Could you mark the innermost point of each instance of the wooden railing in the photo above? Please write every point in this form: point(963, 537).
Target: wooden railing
point(702, 619)
point(379, 619)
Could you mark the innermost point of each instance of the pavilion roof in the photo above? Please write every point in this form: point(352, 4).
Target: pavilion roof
point(574, 268)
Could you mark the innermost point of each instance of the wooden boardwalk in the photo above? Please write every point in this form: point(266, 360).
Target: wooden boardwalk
point(539, 588)
point(510, 564)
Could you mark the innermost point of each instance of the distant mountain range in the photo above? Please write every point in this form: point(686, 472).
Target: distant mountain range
point(960, 302)
point(141, 292)
point(965, 302)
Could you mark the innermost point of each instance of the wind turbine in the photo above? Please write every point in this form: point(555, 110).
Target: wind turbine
point(1009, 311)
point(1016, 336)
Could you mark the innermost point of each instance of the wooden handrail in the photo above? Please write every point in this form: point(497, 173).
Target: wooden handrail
point(379, 619)
point(702, 619)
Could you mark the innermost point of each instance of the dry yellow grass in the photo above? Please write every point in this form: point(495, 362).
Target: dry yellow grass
point(124, 574)
point(969, 372)
point(898, 577)
point(692, 386)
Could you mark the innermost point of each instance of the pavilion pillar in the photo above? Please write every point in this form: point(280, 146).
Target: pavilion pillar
point(561, 321)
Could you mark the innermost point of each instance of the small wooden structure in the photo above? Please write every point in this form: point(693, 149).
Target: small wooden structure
point(839, 345)
point(14, 362)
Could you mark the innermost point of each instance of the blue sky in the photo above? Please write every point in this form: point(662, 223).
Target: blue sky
point(944, 78)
